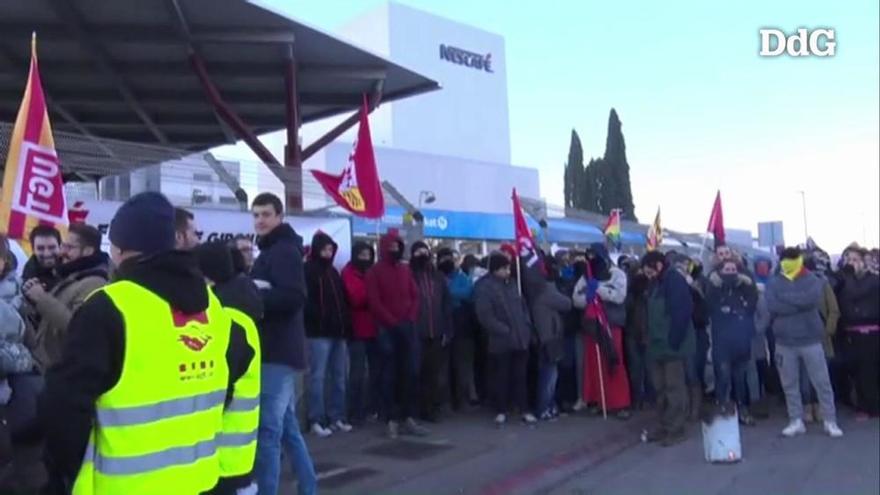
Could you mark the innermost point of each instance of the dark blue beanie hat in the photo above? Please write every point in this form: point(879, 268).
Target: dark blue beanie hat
point(144, 223)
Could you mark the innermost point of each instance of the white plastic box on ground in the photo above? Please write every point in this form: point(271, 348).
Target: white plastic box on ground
point(721, 438)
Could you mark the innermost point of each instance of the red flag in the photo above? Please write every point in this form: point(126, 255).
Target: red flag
point(33, 189)
point(357, 188)
point(525, 243)
point(716, 222)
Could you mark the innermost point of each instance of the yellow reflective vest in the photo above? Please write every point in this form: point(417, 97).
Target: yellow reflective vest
point(241, 418)
point(157, 430)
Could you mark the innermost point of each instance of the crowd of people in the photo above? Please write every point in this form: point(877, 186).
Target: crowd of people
point(170, 363)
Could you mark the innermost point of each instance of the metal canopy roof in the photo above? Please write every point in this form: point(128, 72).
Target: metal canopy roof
point(120, 69)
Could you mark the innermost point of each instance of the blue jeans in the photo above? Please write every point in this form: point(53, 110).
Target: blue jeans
point(328, 358)
point(548, 373)
point(731, 372)
point(364, 378)
point(401, 356)
point(278, 424)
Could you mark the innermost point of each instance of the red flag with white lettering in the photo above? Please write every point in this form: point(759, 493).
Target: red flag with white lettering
point(357, 188)
point(525, 242)
point(33, 189)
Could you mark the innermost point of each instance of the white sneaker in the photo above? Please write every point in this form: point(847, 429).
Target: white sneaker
point(320, 431)
point(833, 430)
point(500, 419)
point(341, 426)
point(529, 419)
point(795, 427)
point(579, 406)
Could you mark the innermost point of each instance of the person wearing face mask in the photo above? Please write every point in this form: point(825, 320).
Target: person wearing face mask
point(604, 343)
point(793, 297)
point(635, 337)
point(393, 298)
point(461, 290)
point(576, 331)
point(732, 299)
point(328, 325)
point(363, 349)
point(570, 384)
point(503, 313)
point(858, 293)
point(434, 328)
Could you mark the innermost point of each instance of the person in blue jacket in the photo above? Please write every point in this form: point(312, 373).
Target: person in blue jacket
point(732, 298)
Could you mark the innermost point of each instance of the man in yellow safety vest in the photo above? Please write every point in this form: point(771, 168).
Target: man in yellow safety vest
point(136, 404)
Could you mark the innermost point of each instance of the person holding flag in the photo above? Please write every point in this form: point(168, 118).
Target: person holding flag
point(601, 293)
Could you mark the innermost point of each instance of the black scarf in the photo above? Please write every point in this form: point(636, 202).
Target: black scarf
point(96, 263)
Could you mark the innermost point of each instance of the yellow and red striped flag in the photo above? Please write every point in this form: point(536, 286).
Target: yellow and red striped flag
point(655, 233)
point(33, 189)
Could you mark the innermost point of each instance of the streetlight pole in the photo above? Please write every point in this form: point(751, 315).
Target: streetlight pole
point(804, 207)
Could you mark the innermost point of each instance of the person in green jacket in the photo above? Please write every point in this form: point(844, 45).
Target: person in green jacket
point(671, 339)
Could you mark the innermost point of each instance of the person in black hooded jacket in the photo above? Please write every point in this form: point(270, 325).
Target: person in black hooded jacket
point(235, 290)
point(434, 327)
point(328, 326)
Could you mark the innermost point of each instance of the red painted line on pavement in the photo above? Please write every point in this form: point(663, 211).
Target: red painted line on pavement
point(588, 454)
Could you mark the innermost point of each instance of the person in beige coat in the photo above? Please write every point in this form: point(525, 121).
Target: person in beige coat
point(830, 313)
point(84, 269)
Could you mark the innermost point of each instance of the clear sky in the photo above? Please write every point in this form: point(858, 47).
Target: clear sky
point(700, 109)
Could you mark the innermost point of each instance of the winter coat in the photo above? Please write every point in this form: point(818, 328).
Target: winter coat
point(548, 308)
point(858, 298)
point(362, 322)
point(240, 293)
point(670, 309)
point(46, 276)
point(435, 305)
point(503, 314)
point(464, 317)
point(637, 308)
point(326, 312)
point(461, 288)
point(94, 355)
point(14, 355)
point(830, 313)
point(732, 312)
point(10, 290)
point(762, 324)
point(77, 280)
point(571, 320)
point(612, 292)
point(391, 291)
point(794, 308)
point(280, 265)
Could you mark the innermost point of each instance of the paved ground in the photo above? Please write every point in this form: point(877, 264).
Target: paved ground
point(811, 464)
point(465, 454)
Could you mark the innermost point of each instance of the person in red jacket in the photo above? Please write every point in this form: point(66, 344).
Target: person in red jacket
point(363, 348)
point(393, 299)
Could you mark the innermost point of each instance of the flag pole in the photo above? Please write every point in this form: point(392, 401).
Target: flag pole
point(601, 382)
point(518, 276)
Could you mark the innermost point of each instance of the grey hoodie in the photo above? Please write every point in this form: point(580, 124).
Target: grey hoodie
point(794, 309)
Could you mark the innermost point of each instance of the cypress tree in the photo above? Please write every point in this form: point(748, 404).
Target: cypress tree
point(617, 189)
point(574, 171)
